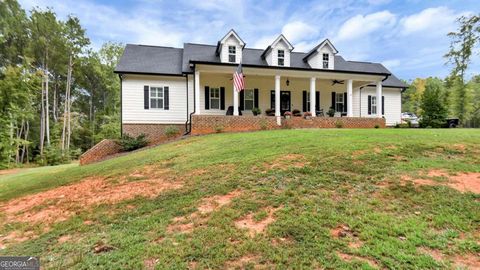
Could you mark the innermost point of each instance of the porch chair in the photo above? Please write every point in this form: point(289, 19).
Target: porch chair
point(230, 111)
point(320, 113)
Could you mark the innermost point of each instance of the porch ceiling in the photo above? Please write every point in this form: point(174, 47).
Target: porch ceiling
point(359, 79)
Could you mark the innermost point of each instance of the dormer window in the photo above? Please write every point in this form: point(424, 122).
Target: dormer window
point(281, 58)
point(232, 53)
point(325, 60)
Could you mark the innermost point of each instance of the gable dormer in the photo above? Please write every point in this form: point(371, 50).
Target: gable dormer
point(278, 53)
point(322, 56)
point(230, 48)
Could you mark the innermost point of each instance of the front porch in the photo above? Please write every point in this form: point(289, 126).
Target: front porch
point(275, 92)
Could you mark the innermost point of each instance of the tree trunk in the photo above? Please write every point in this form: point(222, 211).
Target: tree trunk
point(47, 114)
point(54, 108)
point(42, 121)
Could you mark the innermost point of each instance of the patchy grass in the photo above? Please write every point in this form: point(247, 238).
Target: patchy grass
point(309, 199)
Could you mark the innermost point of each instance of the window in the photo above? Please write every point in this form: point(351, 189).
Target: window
point(281, 57)
point(248, 99)
point(339, 102)
point(325, 60)
point(374, 105)
point(156, 97)
point(308, 101)
point(215, 98)
point(232, 52)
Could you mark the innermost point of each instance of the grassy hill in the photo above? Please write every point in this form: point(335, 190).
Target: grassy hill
point(349, 199)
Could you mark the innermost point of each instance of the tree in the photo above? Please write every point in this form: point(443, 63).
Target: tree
point(461, 50)
point(434, 111)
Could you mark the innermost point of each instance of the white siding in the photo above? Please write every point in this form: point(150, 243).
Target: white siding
point(393, 104)
point(133, 104)
point(272, 56)
point(231, 41)
point(316, 61)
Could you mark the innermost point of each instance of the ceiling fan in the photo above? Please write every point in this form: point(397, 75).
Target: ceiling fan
point(337, 82)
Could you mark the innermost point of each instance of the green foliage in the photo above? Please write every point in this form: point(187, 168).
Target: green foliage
point(171, 131)
point(52, 156)
point(433, 107)
point(256, 111)
point(218, 128)
point(331, 112)
point(130, 143)
point(339, 124)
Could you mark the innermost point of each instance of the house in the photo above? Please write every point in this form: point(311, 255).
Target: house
point(164, 86)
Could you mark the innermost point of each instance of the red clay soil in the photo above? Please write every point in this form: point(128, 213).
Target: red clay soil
point(256, 227)
point(60, 203)
point(186, 224)
point(462, 261)
point(9, 171)
point(463, 182)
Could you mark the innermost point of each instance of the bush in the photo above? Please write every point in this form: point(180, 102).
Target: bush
point(339, 124)
point(434, 111)
point(296, 112)
point(377, 126)
point(171, 131)
point(256, 111)
point(402, 125)
point(263, 125)
point(52, 156)
point(331, 112)
point(218, 128)
point(129, 143)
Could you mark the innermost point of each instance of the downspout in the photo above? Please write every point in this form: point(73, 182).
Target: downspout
point(186, 122)
point(121, 105)
point(361, 88)
point(194, 101)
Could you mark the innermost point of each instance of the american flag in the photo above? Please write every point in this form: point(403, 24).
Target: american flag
point(238, 80)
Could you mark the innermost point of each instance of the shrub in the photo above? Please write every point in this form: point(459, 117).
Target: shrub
point(52, 156)
point(331, 112)
point(171, 131)
point(256, 111)
point(296, 112)
point(218, 128)
point(129, 143)
point(402, 125)
point(377, 126)
point(339, 124)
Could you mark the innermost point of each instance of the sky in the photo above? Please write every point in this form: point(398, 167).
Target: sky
point(409, 37)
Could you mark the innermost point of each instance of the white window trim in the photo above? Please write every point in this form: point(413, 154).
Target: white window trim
point(219, 98)
point(325, 61)
point(337, 95)
point(162, 98)
point(234, 54)
point(245, 99)
point(278, 58)
point(373, 106)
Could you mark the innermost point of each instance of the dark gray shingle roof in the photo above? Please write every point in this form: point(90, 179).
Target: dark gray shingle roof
point(175, 61)
point(150, 59)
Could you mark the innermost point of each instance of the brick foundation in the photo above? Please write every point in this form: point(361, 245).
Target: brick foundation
point(155, 132)
point(205, 124)
point(100, 151)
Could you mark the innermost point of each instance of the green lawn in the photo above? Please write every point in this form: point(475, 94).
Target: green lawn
point(316, 179)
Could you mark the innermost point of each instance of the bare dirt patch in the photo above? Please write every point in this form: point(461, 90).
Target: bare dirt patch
point(287, 161)
point(463, 182)
point(349, 258)
point(467, 261)
point(9, 171)
point(186, 224)
point(343, 231)
point(150, 263)
point(15, 237)
point(60, 203)
point(256, 227)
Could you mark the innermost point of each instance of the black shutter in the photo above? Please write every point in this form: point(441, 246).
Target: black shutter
point(369, 104)
point(166, 98)
point(146, 99)
point(305, 109)
point(333, 100)
point(222, 98)
point(317, 101)
point(255, 97)
point(272, 100)
point(383, 105)
point(242, 101)
point(345, 101)
point(207, 98)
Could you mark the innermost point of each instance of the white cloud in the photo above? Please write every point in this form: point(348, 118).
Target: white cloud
point(360, 25)
point(431, 19)
point(297, 30)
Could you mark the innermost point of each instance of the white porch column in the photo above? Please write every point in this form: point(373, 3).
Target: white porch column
point(235, 100)
point(379, 99)
point(349, 98)
point(277, 99)
point(312, 97)
point(197, 92)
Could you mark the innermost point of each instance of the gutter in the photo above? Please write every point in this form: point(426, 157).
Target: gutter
point(149, 73)
point(189, 118)
point(186, 122)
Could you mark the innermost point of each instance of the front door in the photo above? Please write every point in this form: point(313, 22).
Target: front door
point(285, 101)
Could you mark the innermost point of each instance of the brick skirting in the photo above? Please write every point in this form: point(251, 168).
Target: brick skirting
point(155, 132)
point(100, 151)
point(205, 124)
